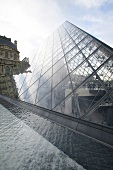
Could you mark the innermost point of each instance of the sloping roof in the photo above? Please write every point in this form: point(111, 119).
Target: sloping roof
point(7, 41)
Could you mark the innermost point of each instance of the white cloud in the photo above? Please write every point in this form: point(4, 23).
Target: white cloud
point(29, 22)
point(100, 25)
point(96, 21)
point(91, 3)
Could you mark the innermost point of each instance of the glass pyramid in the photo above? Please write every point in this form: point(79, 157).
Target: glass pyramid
point(72, 73)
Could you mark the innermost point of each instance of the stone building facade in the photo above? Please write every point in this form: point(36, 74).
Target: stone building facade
point(10, 65)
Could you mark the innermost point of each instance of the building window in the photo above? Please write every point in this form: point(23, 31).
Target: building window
point(15, 57)
point(6, 54)
point(7, 70)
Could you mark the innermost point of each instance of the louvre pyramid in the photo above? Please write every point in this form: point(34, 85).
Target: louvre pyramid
point(72, 73)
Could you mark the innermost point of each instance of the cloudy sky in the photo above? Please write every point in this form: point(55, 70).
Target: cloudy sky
point(31, 21)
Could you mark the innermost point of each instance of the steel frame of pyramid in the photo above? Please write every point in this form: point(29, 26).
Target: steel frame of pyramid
point(72, 73)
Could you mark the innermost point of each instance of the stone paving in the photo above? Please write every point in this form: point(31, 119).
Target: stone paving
point(85, 151)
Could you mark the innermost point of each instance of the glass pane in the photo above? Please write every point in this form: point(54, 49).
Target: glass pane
point(75, 36)
point(72, 53)
point(45, 102)
point(58, 57)
point(90, 48)
point(28, 77)
point(84, 42)
point(75, 61)
point(106, 74)
point(43, 90)
point(80, 37)
point(32, 89)
point(99, 57)
point(37, 70)
point(34, 78)
point(60, 75)
point(31, 99)
point(68, 48)
point(45, 77)
point(46, 67)
point(57, 50)
point(47, 60)
point(61, 91)
point(68, 106)
point(58, 65)
point(80, 74)
point(67, 42)
point(89, 94)
point(102, 114)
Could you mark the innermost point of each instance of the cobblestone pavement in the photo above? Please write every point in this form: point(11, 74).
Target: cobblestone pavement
point(85, 151)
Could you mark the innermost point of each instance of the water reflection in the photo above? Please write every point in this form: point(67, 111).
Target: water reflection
point(22, 148)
